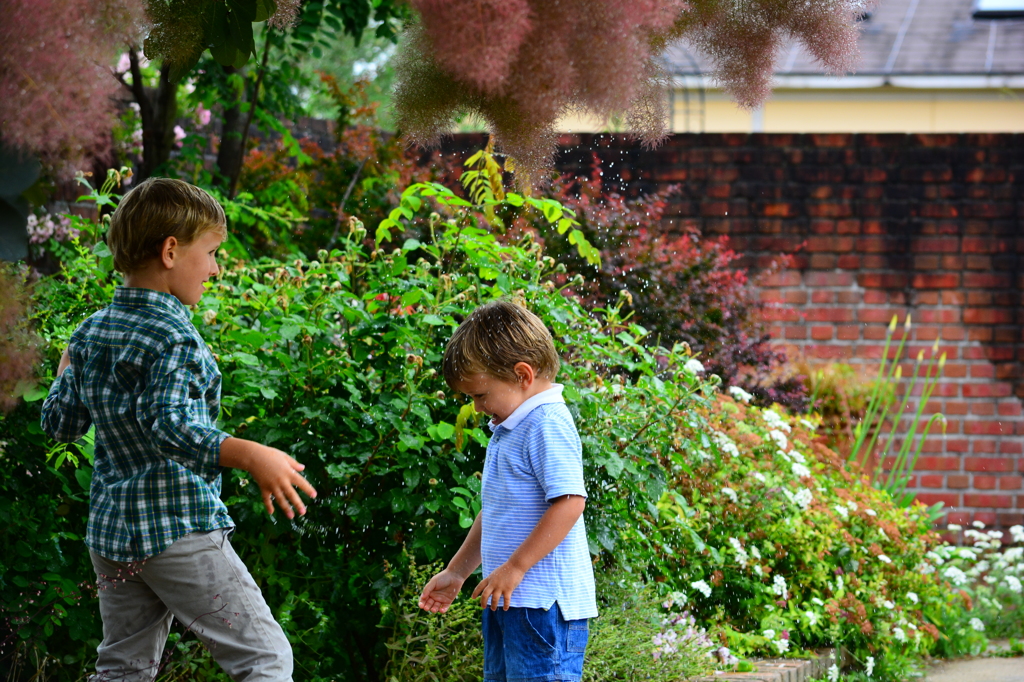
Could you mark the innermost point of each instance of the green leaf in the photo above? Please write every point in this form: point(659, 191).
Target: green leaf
point(445, 430)
point(246, 359)
point(614, 465)
point(84, 477)
point(433, 320)
point(268, 393)
point(265, 9)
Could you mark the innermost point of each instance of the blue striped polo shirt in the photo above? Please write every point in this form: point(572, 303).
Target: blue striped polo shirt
point(534, 456)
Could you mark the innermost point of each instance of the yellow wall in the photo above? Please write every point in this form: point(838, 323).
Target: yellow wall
point(882, 110)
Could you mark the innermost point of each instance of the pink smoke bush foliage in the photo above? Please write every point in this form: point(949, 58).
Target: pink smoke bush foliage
point(523, 64)
point(56, 90)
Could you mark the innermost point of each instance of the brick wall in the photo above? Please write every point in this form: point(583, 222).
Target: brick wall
point(926, 225)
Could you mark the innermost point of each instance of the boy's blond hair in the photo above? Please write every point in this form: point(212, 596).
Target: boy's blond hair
point(155, 210)
point(494, 338)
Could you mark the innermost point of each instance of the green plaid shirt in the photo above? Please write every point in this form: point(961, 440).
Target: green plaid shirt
point(142, 374)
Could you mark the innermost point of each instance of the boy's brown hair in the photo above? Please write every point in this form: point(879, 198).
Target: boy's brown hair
point(494, 338)
point(155, 210)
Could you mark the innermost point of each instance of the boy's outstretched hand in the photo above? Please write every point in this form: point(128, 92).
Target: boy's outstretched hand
point(498, 587)
point(275, 472)
point(440, 592)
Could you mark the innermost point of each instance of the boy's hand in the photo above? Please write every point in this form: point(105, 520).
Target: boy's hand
point(275, 472)
point(65, 362)
point(440, 592)
point(498, 586)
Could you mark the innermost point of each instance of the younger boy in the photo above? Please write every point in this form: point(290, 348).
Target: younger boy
point(158, 532)
point(529, 534)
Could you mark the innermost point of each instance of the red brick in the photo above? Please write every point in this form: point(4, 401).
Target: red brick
point(780, 210)
point(936, 245)
point(787, 278)
point(957, 481)
point(875, 280)
point(982, 371)
point(1008, 447)
point(1003, 465)
point(828, 315)
point(829, 352)
point(829, 279)
point(984, 446)
point(796, 297)
point(821, 333)
point(822, 297)
point(796, 332)
point(945, 281)
point(980, 500)
point(977, 390)
point(985, 482)
point(957, 445)
point(931, 480)
point(983, 409)
point(988, 316)
point(976, 280)
point(1011, 482)
point(878, 315)
point(947, 498)
point(938, 464)
point(991, 428)
point(850, 332)
point(988, 518)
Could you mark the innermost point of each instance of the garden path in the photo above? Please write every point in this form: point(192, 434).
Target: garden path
point(979, 670)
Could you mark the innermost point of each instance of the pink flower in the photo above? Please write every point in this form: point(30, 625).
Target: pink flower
point(203, 115)
point(179, 135)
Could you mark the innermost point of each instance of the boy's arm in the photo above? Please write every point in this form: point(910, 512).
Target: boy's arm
point(552, 528)
point(276, 473)
point(65, 418)
point(440, 592)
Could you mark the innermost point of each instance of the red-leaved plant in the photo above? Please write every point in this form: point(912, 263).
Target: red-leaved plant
point(682, 287)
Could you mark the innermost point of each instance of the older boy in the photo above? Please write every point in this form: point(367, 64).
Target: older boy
point(529, 534)
point(141, 374)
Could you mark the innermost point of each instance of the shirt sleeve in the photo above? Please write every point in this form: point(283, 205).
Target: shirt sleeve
point(174, 410)
point(556, 456)
point(65, 418)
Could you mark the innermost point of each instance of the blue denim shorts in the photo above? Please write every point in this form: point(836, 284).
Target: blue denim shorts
point(533, 645)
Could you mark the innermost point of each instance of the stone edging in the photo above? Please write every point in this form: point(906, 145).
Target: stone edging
point(779, 670)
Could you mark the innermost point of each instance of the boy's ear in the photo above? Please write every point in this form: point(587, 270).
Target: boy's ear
point(525, 373)
point(169, 252)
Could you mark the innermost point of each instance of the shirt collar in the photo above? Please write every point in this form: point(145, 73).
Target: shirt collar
point(551, 395)
point(134, 297)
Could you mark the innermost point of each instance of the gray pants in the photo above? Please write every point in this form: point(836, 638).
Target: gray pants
point(200, 581)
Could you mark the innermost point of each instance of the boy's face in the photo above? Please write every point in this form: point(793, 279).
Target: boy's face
point(492, 396)
point(194, 264)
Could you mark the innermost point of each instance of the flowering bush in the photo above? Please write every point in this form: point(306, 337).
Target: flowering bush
point(776, 542)
point(988, 578)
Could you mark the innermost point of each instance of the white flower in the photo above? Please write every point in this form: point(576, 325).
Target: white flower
point(965, 553)
point(803, 498)
point(759, 476)
point(812, 618)
point(725, 444)
point(779, 437)
point(852, 506)
point(869, 666)
point(995, 534)
point(833, 673)
point(839, 583)
point(702, 587)
point(870, 512)
point(809, 424)
point(884, 559)
point(779, 587)
point(781, 645)
point(978, 524)
point(815, 600)
point(739, 394)
point(955, 575)
point(842, 511)
point(899, 635)
point(799, 470)
point(774, 421)
point(976, 624)
point(1017, 532)
point(741, 554)
point(693, 366)
point(769, 634)
point(888, 604)
point(757, 569)
point(955, 527)
point(1014, 584)
point(730, 493)
point(912, 596)
point(798, 457)
point(755, 552)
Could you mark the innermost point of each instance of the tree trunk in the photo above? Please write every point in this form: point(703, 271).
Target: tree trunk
point(158, 109)
point(231, 153)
